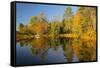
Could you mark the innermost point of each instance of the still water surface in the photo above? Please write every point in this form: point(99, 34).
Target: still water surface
point(48, 50)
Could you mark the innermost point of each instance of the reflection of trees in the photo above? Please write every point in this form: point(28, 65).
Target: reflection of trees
point(54, 43)
point(84, 51)
point(38, 46)
point(67, 48)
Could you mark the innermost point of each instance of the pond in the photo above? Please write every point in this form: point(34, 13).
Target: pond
point(50, 50)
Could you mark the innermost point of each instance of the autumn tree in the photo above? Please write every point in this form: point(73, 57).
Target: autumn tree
point(88, 21)
point(76, 24)
point(38, 24)
point(88, 15)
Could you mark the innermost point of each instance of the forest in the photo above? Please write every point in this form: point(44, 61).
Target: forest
point(81, 25)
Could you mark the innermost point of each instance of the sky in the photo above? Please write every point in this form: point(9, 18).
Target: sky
point(25, 10)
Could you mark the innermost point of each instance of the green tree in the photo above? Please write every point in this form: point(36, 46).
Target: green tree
point(21, 27)
point(68, 13)
point(33, 19)
point(67, 22)
point(54, 29)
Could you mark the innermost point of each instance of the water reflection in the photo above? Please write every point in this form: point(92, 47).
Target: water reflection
point(49, 50)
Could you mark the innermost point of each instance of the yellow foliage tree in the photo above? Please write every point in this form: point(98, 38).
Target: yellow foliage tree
point(76, 25)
